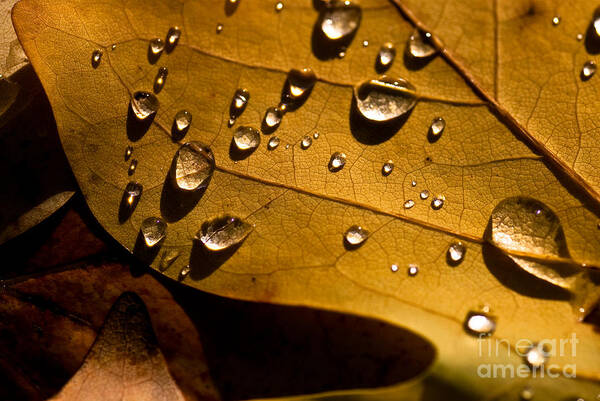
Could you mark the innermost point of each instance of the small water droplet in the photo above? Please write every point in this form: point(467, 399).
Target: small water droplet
point(413, 183)
point(555, 20)
point(128, 152)
point(306, 142)
point(219, 28)
point(144, 104)
point(153, 230)
point(157, 46)
point(479, 324)
point(337, 161)
point(246, 138)
point(161, 78)
point(300, 82)
point(413, 270)
point(342, 54)
point(437, 126)
point(287, 146)
point(193, 166)
point(579, 37)
point(424, 194)
point(365, 43)
point(438, 202)
point(167, 259)
point(223, 232)
point(387, 168)
point(238, 104)
point(386, 56)
point(588, 70)
point(182, 120)
point(133, 193)
point(279, 6)
point(385, 98)
point(184, 272)
point(355, 236)
point(394, 268)
point(340, 19)
point(96, 58)
point(273, 117)
point(456, 253)
point(536, 356)
point(113, 47)
point(316, 135)
point(409, 203)
point(173, 36)
point(132, 167)
point(273, 143)
point(419, 44)
point(526, 394)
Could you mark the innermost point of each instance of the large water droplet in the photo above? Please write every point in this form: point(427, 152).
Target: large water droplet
point(246, 138)
point(386, 56)
point(456, 253)
point(157, 46)
point(273, 143)
point(273, 117)
point(340, 19)
point(409, 203)
point(355, 236)
point(173, 37)
point(413, 270)
point(437, 126)
point(479, 324)
point(193, 166)
point(536, 356)
point(153, 230)
point(161, 78)
point(385, 98)
point(167, 259)
point(387, 168)
point(132, 167)
point(143, 104)
point(306, 142)
point(96, 58)
point(182, 120)
point(300, 82)
point(223, 232)
point(337, 161)
point(588, 70)
point(419, 45)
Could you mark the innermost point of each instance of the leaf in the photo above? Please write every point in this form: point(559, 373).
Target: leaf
point(12, 56)
point(296, 255)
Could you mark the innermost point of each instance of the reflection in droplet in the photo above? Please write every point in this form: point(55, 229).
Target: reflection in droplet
point(161, 78)
point(96, 58)
point(437, 126)
point(153, 230)
point(456, 252)
point(337, 161)
point(273, 143)
point(246, 138)
point(419, 44)
point(385, 98)
point(238, 104)
point(133, 193)
point(536, 356)
point(167, 259)
point(132, 167)
point(299, 82)
point(306, 142)
point(128, 152)
point(438, 202)
point(183, 119)
point(193, 166)
point(219, 28)
point(273, 117)
point(355, 236)
point(386, 56)
point(157, 45)
point(409, 203)
point(387, 168)
point(173, 36)
point(340, 19)
point(413, 270)
point(143, 104)
point(424, 194)
point(479, 324)
point(589, 69)
point(555, 20)
point(223, 232)
point(279, 6)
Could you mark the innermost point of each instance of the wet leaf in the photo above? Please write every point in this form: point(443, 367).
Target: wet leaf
point(300, 208)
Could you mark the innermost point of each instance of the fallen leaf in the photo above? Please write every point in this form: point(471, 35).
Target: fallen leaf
point(300, 210)
point(12, 56)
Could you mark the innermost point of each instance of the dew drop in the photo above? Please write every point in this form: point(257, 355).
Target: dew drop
point(273, 117)
point(192, 167)
point(526, 394)
point(337, 161)
point(456, 253)
point(219, 28)
point(184, 272)
point(153, 230)
point(555, 20)
point(182, 120)
point(173, 36)
point(365, 43)
point(409, 203)
point(113, 47)
point(161, 78)
point(579, 37)
point(340, 19)
point(157, 46)
point(438, 202)
point(394, 268)
point(424, 194)
point(387, 168)
point(279, 6)
point(386, 56)
point(342, 54)
point(143, 104)
point(413, 183)
point(306, 142)
point(385, 98)
point(133, 193)
point(419, 44)
point(238, 104)
point(128, 152)
point(479, 324)
point(588, 70)
point(167, 259)
point(355, 236)
point(316, 135)
point(287, 146)
point(246, 138)
point(96, 58)
point(132, 167)
point(273, 143)
point(536, 356)
point(300, 82)
point(413, 270)
point(437, 126)
point(223, 232)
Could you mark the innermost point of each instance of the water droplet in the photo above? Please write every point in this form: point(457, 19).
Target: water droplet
point(193, 166)
point(526, 394)
point(413, 270)
point(385, 98)
point(438, 202)
point(340, 19)
point(219, 28)
point(365, 43)
point(387, 168)
point(394, 268)
point(424, 194)
point(132, 167)
point(342, 54)
point(437, 127)
point(306, 142)
point(153, 230)
point(419, 44)
point(167, 259)
point(386, 56)
point(479, 324)
point(278, 6)
point(161, 78)
point(316, 135)
point(246, 138)
point(579, 37)
point(96, 58)
point(287, 146)
point(113, 47)
point(409, 203)
point(184, 272)
point(355, 236)
point(223, 232)
point(238, 104)
point(273, 117)
point(182, 120)
point(413, 183)
point(456, 253)
point(144, 104)
point(273, 143)
point(157, 46)
point(555, 20)
point(536, 356)
point(300, 82)
point(173, 37)
point(133, 193)
point(337, 161)
point(589, 69)
point(128, 152)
